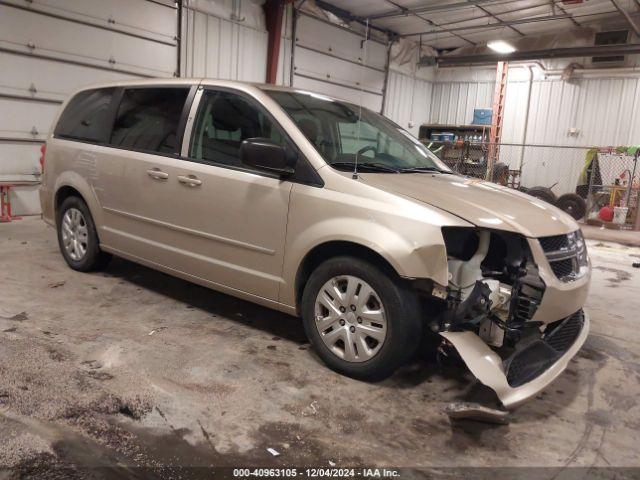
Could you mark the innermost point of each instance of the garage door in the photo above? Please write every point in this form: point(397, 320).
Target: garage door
point(338, 62)
point(48, 48)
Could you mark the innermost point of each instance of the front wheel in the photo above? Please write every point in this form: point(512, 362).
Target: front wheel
point(77, 237)
point(361, 320)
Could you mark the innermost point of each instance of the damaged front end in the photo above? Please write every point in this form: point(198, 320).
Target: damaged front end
point(488, 310)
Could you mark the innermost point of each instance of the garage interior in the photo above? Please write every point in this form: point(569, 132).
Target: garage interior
point(132, 373)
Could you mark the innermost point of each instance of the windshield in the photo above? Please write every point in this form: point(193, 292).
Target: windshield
point(344, 134)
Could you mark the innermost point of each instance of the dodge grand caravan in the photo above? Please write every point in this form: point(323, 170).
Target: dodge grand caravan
point(325, 210)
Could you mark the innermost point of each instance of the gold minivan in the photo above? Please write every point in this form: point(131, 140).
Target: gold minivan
point(322, 209)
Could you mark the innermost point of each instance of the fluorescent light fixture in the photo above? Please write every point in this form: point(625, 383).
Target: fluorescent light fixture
point(501, 46)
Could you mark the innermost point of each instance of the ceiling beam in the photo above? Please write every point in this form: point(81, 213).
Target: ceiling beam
point(402, 11)
point(431, 8)
point(350, 17)
point(626, 15)
point(566, 52)
point(495, 25)
point(430, 22)
point(505, 12)
point(482, 9)
point(562, 9)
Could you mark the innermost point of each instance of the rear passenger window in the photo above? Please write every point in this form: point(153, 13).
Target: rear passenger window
point(147, 119)
point(86, 116)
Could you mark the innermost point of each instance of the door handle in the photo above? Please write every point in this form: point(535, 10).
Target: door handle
point(189, 180)
point(157, 174)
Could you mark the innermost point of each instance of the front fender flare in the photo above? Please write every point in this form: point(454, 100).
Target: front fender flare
point(409, 259)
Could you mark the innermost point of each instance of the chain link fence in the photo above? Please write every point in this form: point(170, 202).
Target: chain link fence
point(580, 180)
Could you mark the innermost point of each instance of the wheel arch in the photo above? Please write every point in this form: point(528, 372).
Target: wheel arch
point(332, 249)
point(62, 194)
point(72, 184)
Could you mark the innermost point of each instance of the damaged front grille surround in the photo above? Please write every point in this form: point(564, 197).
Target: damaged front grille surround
point(531, 361)
point(567, 255)
point(469, 305)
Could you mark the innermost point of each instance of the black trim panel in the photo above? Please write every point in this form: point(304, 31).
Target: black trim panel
point(184, 117)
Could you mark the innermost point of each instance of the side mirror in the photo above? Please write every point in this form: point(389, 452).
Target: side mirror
point(263, 154)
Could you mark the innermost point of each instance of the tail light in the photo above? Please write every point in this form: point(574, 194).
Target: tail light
point(43, 151)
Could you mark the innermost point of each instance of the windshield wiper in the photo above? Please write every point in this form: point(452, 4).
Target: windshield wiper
point(371, 166)
point(423, 170)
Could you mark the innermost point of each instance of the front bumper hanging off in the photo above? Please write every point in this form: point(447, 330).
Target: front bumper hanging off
point(530, 369)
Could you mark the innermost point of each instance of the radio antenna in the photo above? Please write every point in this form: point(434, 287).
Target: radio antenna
point(364, 62)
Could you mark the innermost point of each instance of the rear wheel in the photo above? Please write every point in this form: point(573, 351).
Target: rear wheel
point(362, 321)
point(77, 237)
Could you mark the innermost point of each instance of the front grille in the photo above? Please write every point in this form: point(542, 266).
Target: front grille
point(564, 268)
point(538, 356)
point(552, 244)
point(566, 255)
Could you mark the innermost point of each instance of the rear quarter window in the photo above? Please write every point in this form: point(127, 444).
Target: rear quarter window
point(86, 116)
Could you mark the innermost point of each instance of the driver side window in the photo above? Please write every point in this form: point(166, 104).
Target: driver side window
point(224, 121)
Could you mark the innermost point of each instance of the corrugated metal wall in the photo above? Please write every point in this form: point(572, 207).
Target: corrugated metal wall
point(601, 110)
point(218, 47)
point(408, 100)
point(453, 102)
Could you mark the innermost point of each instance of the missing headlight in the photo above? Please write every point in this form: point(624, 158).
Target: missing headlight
point(493, 283)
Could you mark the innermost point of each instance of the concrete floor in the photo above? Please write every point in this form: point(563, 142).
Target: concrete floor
point(136, 368)
point(629, 238)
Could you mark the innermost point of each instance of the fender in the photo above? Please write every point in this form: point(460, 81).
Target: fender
point(407, 234)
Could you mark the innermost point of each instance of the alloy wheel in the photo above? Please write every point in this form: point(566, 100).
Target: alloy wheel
point(75, 236)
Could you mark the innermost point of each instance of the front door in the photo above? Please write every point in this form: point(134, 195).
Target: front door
point(228, 223)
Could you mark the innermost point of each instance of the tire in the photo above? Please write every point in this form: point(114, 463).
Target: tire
point(86, 255)
point(399, 306)
point(500, 173)
point(573, 204)
point(543, 193)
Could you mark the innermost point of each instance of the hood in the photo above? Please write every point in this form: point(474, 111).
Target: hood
point(482, 203)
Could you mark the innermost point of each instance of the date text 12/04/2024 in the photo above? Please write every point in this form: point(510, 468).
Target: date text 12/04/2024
point(316, 472)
